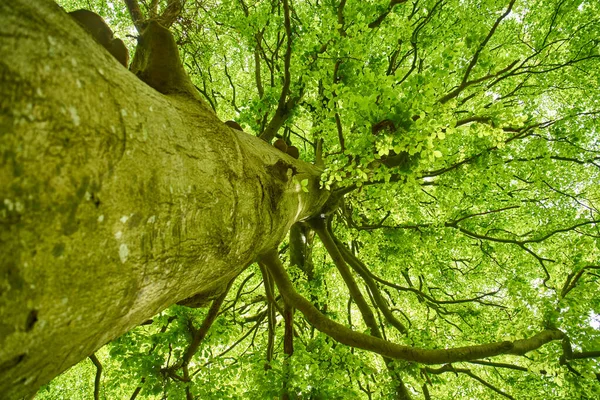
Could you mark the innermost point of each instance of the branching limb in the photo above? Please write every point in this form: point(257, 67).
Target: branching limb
point(285, 104)
point(569, 354)
point(573, 278)
point(171, 12)
point(523, 346)
point(414, 39)
point(465, 80)
point(361, 269)
point(520, 243)
point(351, 338)
point(518, 133)
point(465, 85)
point(233, 91)
point(319, 225)
point(428, 298)
point(209, 94)
point(157, 63)
point(575, 198)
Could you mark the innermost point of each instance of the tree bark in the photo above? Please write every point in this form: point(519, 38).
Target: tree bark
point(116, 200)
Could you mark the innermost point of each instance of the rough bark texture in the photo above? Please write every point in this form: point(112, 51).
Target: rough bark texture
point(116, 200)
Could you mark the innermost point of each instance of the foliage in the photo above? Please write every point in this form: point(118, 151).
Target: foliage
point(485, 229)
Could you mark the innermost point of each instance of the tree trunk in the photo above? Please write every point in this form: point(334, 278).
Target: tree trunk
point(116, 200)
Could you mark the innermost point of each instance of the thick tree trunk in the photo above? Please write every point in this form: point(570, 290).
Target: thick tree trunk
point(116, 201)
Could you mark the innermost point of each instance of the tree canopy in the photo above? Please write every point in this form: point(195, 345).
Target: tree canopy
point(459, 253)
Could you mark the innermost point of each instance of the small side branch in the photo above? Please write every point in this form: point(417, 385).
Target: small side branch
point(499, 365)
point(285, 104)
point(385, 13)
point(98, 376)
point(465, 81)
point(450, 368)
point(200, 334)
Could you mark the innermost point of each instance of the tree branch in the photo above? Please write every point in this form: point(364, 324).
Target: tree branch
point(465, 80)
point(499, 365)
point(573, 278)
point(200, 334)
point(351, 338)
point(171, 12)
point(269, 290)
point(450, 368)
point(136, 14)
point(319, 225)
point(284, 105)
point(385, 13)
point(361, 269)
point(98, 376)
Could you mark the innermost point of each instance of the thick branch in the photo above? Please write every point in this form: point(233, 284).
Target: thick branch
point(359, 340)
point(136, 14)
point(361, 269)
point(171, 13)
point(157, 63)
point(523, 346)
point(318, 224)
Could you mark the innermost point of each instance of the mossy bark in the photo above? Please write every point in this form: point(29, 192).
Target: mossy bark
point(116, 200)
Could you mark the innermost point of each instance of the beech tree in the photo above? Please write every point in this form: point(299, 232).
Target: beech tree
point(406, 205)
